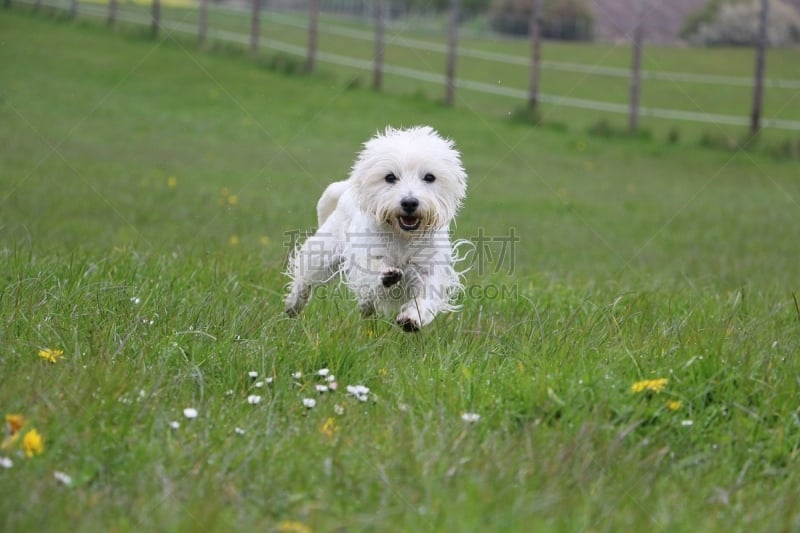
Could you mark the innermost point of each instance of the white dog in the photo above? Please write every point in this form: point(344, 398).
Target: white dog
point(385, 230)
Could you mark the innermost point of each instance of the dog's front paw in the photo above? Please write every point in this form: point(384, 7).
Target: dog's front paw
point(391, 277)
point(409, 323)
point(295, 302)
point(292, 310)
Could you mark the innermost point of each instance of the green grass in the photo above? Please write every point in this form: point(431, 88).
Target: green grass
point(636, 261)
point(780, 103)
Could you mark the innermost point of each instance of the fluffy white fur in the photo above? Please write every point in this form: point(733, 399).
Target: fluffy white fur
point(385, 230)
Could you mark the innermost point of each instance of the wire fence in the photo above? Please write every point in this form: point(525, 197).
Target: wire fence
point(146, 11)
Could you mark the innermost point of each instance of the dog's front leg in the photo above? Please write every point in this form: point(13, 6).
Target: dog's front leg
point(423, 306)
point(416, 313)
point(370, 279)
point(313, 264)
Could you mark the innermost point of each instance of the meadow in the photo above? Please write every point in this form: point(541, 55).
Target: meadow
point(492, 71)
point(628, 338)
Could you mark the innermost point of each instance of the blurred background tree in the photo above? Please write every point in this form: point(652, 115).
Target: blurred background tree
point(735, 22)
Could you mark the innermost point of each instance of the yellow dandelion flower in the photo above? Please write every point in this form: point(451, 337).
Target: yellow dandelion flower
point(234, 240)
point(51, 355)
point(329, 428)
point(32, 443)
point(14, 423)
point(172, 182)
point(292, 526)
point(652, 385)
point(674, 405)
point(233, 199)
point(264, 240)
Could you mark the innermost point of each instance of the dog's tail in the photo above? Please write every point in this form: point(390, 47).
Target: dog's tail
point(330, 198)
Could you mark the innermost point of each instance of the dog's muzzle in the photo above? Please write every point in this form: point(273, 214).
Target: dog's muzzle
point(409, 221)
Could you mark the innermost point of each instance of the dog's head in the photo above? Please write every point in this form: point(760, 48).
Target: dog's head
point(410, 179)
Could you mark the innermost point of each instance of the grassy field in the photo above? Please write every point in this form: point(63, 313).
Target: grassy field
point(146, 195)
point(421, 50)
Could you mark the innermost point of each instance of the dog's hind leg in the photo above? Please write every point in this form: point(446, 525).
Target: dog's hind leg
point(317, 261)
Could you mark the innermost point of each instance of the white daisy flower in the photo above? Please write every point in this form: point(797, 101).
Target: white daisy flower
point(190, 413)
point(252, 374)
point(5, 462)
point(322, 372)
point(62, 478)
point(333, 385)
point(269, 380)
point(330, 378)
point(321, 388)
point(338, 409)
point(687, 423)
point(309, 402)
point(470, 418)
point(135, 300)
point(238, 431)
point(359, 391)
point(175, 424)
point(253, 399)
point(297, 375)
point(258, 384)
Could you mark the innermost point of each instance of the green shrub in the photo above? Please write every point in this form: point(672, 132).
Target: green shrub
point(561, 19)
point(786, 149)
point(604, 128)
point(673, 135)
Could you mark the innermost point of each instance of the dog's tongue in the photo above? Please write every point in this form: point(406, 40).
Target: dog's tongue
point(409, 222)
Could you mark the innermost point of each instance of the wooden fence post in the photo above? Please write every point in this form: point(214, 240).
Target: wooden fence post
point(535, 29)
point(202, 23)
point(380, 31)
point(254, 26)
point(758, 82)
point(112, 12)
point(452, 45)
point(313, 22)
point(156, 23)
point(636, 67)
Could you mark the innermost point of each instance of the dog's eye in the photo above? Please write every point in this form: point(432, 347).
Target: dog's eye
point(390, 178)
point(429, 178)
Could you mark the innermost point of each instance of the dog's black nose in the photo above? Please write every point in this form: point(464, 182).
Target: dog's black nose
point(409, 204)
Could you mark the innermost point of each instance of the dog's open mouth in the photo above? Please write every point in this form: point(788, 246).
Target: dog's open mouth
point(409, 223)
